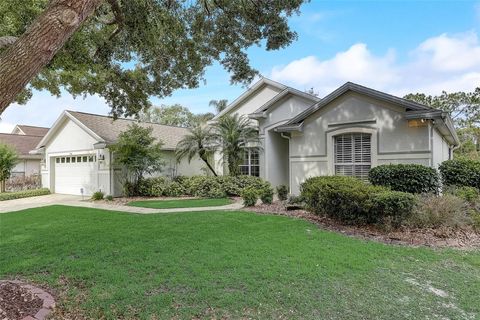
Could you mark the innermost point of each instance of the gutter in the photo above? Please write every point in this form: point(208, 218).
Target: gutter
point(289, 128)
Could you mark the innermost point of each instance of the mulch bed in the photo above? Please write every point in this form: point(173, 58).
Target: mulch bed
point(452, 238)
point(19, 301)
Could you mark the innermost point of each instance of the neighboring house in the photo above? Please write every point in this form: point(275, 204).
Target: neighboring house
point(77, 157)
point(347, 132)
point(30, 130)
point(23, 139)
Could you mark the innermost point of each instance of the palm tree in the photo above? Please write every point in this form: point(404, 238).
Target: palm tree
point(219, 105)
point(200, 141)
point(234, 134)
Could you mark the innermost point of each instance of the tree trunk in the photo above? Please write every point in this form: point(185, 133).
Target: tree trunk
point(26, 57)
point(209, 166)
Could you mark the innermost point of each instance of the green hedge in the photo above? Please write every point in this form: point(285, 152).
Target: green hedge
point(352, 201)
point(412, 178)
point(23, 194)
point(390, 207)
point(200, 186)
point(461, 173)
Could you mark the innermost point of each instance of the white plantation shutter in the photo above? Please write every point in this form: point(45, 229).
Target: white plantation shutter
point(353, 154)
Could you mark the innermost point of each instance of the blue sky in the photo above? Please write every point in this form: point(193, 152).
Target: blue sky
point(394, 46)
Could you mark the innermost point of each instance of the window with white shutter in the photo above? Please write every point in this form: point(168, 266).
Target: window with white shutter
point(353, 155)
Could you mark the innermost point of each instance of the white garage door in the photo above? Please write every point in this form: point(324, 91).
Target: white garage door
point(74, 173)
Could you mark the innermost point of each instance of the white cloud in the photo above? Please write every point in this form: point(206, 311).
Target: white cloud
point(446, 62)
point(43, 109)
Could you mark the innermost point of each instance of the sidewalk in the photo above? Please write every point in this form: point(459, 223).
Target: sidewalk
point(76, 201)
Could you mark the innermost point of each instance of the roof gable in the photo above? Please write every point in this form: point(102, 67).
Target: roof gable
point(262, 83)
point(350, 86)
point(29, 130)
point(104, 129)
point(287, 92)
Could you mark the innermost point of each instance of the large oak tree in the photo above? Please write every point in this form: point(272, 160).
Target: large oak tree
point(128, 51)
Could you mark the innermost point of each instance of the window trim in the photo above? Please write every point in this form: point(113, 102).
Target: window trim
point(331, 150)
point(249, 164)
point(353, 155)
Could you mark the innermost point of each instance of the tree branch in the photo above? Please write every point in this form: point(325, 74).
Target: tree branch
point(7, 41)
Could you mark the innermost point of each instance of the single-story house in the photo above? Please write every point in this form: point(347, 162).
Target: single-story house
point(23, 139)
point(77, 159)
point(347, 132)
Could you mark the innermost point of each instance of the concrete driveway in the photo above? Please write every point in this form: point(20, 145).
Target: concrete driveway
point(40, 201)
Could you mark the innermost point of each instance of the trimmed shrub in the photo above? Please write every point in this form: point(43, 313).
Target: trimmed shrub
point(390, 208)
point(109, 197)
point(282, 192)
point(342, 198)
point(98, 195)
point(440, 211)
point(173, 189)
point(23, 194)
point(461, 172)
point(266, 194)
point(412, 178)
point(205, 187)
point(249, 196)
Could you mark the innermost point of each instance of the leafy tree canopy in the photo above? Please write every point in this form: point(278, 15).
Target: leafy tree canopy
point(174, 115)
point(464, 107)
point(128, 51)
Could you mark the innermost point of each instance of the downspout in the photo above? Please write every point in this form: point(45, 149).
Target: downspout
point(283, 135)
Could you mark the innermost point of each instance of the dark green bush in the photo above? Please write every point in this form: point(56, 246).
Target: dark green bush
point(282, 192)
point(23, 194)
point(412, 178)
point(249, 196)
point(461, 172)
point(390, 208)
point(342, 198)
point(98, 195)
point(109, 198)
point(266, 194)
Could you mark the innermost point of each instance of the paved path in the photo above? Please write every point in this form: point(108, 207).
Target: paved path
point(76, 201)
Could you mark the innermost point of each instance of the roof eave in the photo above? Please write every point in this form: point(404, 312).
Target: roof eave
point(290, 128)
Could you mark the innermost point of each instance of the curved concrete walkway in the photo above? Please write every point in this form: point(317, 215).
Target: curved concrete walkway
point(76, 201)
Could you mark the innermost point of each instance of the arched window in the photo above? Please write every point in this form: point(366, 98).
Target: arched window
point(353, 154)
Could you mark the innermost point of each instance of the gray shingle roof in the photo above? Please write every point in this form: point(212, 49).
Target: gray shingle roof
point(23, 144)
point(109, 129)
point(32, 130)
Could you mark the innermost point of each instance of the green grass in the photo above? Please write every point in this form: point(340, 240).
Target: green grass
point(180, 203)
point(235, 264)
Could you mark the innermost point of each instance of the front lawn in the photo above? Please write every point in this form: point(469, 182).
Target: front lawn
point(180, 203)
point(216, 264)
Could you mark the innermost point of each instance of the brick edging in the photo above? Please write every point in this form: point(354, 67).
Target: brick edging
point(48, 301)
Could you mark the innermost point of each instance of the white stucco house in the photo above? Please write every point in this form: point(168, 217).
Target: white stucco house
point(76, 157)
point(346, 132)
